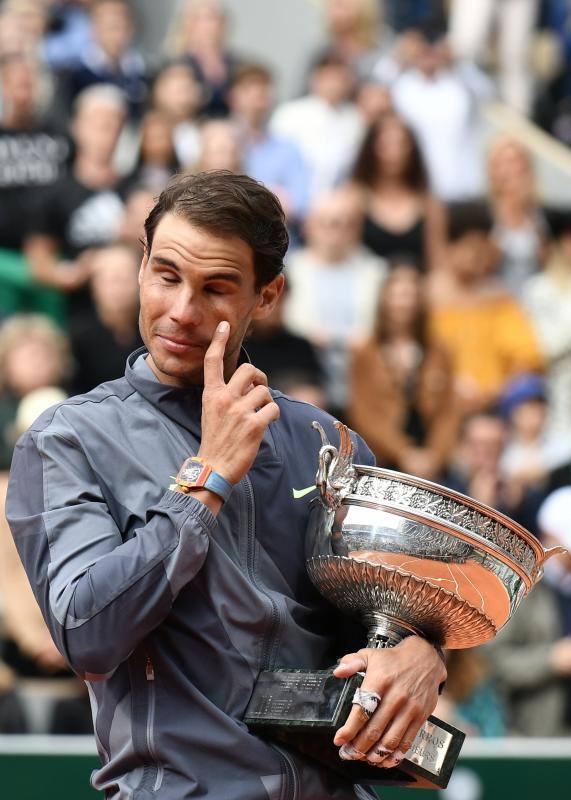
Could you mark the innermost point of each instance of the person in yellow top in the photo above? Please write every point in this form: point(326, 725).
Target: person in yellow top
point(484, 328)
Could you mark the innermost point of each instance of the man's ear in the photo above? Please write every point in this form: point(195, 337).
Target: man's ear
point(269, 296)
point(144, 263)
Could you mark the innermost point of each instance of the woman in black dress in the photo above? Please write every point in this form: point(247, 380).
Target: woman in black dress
point(402, 217)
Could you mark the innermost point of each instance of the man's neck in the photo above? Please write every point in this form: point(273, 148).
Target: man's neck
point(94, 174)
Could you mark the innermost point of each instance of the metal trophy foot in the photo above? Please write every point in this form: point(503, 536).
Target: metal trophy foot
point(386, 632)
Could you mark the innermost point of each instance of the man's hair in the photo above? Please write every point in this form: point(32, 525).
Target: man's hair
point(328, 59)
point(251, 71)
point(466, 218)
point(106, 93)
point(225, 204)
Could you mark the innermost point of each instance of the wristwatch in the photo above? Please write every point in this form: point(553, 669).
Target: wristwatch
point(196, 474)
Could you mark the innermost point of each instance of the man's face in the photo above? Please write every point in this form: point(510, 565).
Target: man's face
point(191, 281)
point(333, 83)
point(483, 444)
point(252, 98)
point(113, 28)
point(96, 128)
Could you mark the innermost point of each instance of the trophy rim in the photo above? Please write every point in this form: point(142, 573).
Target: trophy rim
point(453, 494)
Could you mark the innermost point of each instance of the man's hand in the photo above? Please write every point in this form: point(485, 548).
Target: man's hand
point(235, 415)
point(407, 678)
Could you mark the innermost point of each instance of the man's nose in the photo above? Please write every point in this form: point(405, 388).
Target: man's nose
point(186, 309)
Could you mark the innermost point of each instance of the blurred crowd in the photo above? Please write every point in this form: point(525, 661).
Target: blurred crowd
point(428, 299)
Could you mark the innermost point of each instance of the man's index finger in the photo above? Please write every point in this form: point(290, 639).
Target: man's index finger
point(214, 356)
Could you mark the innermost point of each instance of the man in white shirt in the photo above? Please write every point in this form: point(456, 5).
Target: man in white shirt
point(325, 124)
point(440, 101)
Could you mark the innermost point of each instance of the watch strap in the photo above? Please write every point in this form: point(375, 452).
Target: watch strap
point(196, 474)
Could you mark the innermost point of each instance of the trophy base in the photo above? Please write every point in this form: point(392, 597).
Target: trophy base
point(304, 708)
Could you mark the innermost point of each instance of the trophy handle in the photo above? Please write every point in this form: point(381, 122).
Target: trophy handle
point(335, 474)
point(552, 551)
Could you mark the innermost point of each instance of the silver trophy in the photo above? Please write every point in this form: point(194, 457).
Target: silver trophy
point(406, 556)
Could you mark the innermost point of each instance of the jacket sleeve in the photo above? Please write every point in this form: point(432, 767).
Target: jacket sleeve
point(100, 595)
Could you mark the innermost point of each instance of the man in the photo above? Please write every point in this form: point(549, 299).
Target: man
point(110, 57)
point(82, 210)
point(325, 125)
point(274, 160)
point(170, 601)
point(34, 155)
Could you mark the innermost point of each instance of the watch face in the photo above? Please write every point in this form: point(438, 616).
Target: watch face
point(192, 473)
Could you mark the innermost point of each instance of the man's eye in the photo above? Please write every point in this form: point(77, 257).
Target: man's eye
point(168, 278)
point(214, 290)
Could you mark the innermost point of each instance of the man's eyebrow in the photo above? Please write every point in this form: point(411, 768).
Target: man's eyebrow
point(233, 277)
point(164, 262)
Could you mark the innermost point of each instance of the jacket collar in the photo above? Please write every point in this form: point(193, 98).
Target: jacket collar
point(183, 406)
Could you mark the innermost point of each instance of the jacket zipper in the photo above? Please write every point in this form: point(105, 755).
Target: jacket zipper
point(270, 642)
point(289, 770)
point(291, 779)
point(154, 770)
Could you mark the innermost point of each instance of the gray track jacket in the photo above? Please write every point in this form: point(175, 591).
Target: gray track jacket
point(167, 612)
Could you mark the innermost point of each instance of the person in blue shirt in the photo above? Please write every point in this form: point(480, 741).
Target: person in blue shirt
point(273, 160)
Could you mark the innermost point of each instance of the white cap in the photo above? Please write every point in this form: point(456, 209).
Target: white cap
point(34, 404)
point(554, 515)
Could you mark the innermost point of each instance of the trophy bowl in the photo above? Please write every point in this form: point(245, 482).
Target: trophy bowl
point(410, 556)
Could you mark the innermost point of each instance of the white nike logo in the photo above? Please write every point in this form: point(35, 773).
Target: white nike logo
point(297, 493)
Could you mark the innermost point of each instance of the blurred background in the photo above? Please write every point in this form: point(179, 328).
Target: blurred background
point(420, 149)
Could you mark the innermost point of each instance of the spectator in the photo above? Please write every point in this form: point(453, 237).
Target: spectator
point(334, 283)
point(33, 354)
point(177, 94)
point(325, 124)
point(219, 146)
point(520, 226)
point(289, 361)
point(531, 451)
point(273, 160)
point(553, 519)
point(475, 469)
point(69, 33)
point(199, 34)
point(401, 396)
point(353, 28)
point(28, 647)
point(111, 58)
point(157, 161)
point(102, 340)
point(23, 24)
point(373, 100)
point(401, 215)
point(405, 15)
point(470, 700)
point(34, 155)
point(440, 100)
point(532, 655)
point(547, 298)
point(553, 102)
point(470, 30)
point(82, 210)
point(485, 329)
point(12, 714)
point(138, 203)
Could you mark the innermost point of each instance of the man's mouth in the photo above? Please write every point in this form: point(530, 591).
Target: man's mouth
point(180, 344)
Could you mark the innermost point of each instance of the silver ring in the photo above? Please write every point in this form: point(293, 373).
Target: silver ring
point(368, 701)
